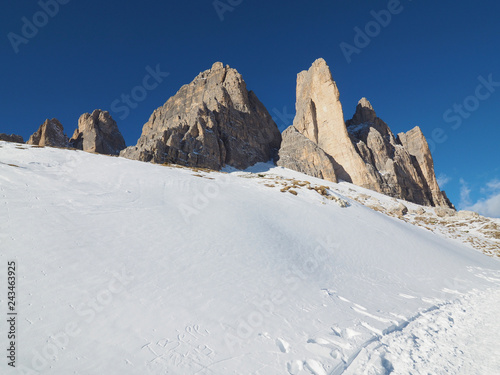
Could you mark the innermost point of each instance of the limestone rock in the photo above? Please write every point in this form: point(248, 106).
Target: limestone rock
point(301, 154)
point(362, 150)
point(50, 133)
point(444, 212)
point(467, 214)
point(400, 210)
point(364, 113)
point(212, 122)
point(404, 163)
point(320, 118)
point(98, 132)
point(11, 138)
point(418, 211)
point(416, 145)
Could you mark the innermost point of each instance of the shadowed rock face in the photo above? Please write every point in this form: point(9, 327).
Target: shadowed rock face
point(98, 132)
point(11, 138)
point(416, 145)
point(301, 154)
point(363, 151)
point(404, 163)
point(50, 133)
point(211, 122)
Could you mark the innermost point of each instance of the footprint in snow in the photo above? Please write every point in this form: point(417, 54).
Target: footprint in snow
point(282, 345)
point(407, 296)
point(295, 367)
point(315, 367)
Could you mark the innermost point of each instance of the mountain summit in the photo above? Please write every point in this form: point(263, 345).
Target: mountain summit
point(212, 122)
point(362, 150)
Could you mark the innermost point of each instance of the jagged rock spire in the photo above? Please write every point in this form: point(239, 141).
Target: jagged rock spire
point(320, 118)
point(364, 113)
point(363, 151)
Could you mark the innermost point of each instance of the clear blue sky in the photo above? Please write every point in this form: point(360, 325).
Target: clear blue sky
point(425, 60)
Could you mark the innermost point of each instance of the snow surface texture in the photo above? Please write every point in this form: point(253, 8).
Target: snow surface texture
point(133, 268)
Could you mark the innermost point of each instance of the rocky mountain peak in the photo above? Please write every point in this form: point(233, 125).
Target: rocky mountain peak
point(98, 132)
point(364, 113)
point(364, 103)
point(320, 118)
point(218, 66)
point(50, 133)
point(320, 63)
point(212, 122)
point(362, 150)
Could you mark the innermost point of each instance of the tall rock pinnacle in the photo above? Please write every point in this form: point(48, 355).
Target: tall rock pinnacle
point(212, 122)
point(320, 118)
point(363, 151)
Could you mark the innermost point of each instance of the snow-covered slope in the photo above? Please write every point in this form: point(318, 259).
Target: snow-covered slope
point(132, 268)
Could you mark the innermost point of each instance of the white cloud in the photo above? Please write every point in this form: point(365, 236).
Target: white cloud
point(464, 194)
point(493, 185)
point(442, 180)
point(488, 206)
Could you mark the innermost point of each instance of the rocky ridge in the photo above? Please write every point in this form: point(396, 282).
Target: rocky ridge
point(363, 150)
point(11, 138)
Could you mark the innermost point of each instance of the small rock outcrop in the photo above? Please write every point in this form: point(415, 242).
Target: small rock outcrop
point(11, 138)
point(50, 133)
point(212, 122)
point(400, 210)
point(98, 132)
point(362, 150)
point(301, 154)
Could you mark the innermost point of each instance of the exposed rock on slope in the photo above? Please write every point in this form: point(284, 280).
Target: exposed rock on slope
point(11, 138)
point(364, 152)
point(415, 143)
point(50, 133)
point(212, 122)
point(98, 132)
point(320, 118)
point(301, 154)
point(404, 163)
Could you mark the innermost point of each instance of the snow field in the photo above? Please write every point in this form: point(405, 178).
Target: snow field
point(133, 268)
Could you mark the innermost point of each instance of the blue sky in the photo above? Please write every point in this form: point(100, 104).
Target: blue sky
point(423, 66)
